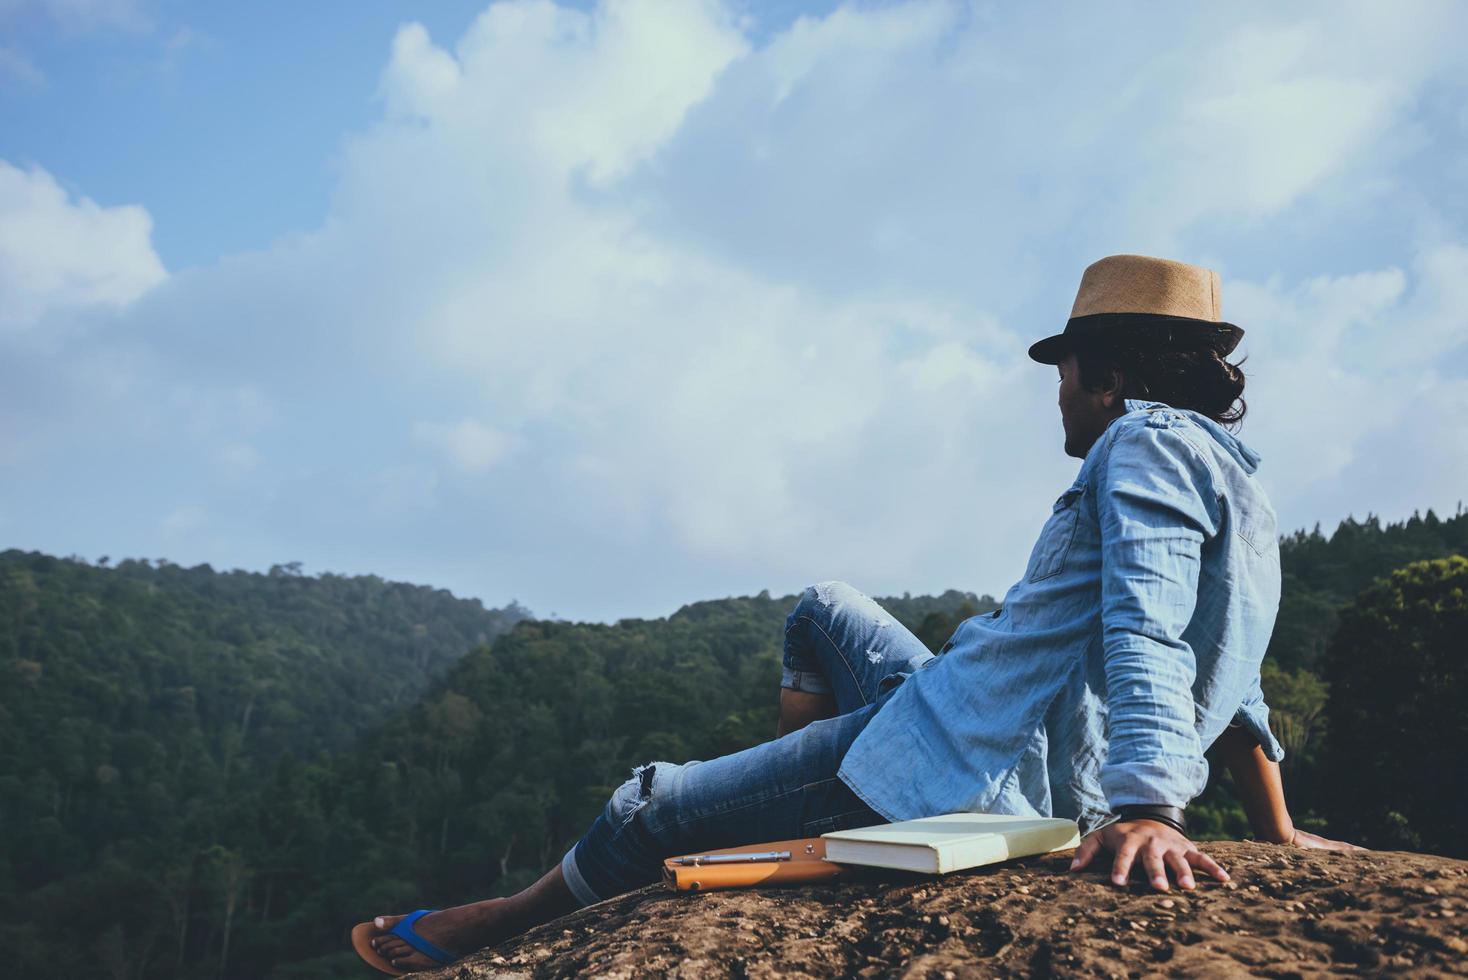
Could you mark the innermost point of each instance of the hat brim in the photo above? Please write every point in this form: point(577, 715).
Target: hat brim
point(1167, 332)
point(1051, 350)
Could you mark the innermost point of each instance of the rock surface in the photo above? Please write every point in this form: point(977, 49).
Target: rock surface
point(1286, 913)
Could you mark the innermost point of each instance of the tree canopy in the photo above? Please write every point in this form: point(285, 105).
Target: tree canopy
point(1398, 675)
point(214, 773)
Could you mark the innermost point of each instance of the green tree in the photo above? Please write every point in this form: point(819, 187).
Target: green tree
point(1397, 667)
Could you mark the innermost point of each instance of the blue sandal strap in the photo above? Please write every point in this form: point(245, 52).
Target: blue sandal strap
point(404, 931)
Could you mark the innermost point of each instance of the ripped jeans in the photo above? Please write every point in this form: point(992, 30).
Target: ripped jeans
point(837, 640)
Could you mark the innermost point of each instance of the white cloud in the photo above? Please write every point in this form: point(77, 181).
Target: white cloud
point(1271, 111)
point(669, 373)
point(1354, 374)
point(675, 370)
point(182, 521)
point(56, 252)
point(610, 87)
point(720, 316)
point(468, 444)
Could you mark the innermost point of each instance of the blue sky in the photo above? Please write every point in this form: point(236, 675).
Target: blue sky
point(612, 306)
point(133, 101)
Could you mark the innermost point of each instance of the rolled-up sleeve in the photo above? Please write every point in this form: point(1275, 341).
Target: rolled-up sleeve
point(1156, 506)
point(1253, 717)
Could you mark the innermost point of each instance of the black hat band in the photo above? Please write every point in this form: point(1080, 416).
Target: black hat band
point(1155, 330)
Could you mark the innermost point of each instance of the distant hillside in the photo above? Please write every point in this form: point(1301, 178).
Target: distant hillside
point(1322, 575)
point(274, 661)
point(143, 710)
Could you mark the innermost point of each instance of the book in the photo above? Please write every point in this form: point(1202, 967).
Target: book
point(800, 861)
point(950, 842)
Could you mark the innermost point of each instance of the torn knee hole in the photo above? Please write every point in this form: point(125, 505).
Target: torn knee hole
point(635, 793)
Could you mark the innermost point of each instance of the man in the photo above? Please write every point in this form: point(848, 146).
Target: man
point(1131, 644)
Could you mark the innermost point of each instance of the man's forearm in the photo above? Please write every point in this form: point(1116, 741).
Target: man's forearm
point(1258, 781)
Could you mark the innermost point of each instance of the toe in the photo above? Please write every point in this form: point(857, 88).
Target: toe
point(399, 953)
point(386, 945)
point(412, 960)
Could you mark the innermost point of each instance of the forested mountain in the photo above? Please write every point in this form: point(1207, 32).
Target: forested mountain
point(271, 662)
point(1394, 769)
point(141, 708)
point(214, 775)
point(1322, 575)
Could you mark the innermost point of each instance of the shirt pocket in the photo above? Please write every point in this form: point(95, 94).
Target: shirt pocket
point(1057, 535)
point(1256, 525)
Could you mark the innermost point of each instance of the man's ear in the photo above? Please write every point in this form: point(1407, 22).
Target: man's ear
point(1111, 391)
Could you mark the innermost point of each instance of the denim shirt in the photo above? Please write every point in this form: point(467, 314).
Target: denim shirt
point(1133, 640)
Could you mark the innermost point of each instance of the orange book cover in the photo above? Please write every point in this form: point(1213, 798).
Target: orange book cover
point(807, 863)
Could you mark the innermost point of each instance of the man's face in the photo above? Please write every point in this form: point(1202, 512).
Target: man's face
point(1084, 414)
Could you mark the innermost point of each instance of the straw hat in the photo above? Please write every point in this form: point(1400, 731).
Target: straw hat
point(1138, 299)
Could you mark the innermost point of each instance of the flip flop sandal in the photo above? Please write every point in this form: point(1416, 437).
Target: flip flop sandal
point(364, 932)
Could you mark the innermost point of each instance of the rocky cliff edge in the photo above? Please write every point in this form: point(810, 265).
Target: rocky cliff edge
point(1286, 913)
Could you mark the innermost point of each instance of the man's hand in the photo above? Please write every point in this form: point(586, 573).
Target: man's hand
point(1158, 845)
point(1314, 842)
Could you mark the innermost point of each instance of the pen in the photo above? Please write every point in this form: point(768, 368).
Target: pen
point(746, 858)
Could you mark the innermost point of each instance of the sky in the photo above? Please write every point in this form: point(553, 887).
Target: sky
point(611, 306)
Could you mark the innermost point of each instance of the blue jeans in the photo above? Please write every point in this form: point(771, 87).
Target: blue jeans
point(837, 641)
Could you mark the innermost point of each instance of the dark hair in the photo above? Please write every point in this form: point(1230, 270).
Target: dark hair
point(1200, 380)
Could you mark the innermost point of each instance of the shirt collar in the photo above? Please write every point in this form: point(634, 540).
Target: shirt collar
point(1247, 457)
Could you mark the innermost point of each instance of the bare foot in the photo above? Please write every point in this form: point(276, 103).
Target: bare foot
point(459, 930)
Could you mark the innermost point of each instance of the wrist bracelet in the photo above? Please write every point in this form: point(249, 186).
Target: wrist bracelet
point(1170, 815)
